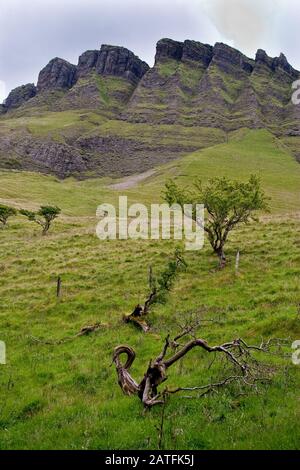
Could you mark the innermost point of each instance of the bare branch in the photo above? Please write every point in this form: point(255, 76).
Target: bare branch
point(238, 352)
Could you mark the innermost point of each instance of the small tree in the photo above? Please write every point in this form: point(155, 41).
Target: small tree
point(44, 217)
point(159, 289)
point(5, 213)
point(227, 203)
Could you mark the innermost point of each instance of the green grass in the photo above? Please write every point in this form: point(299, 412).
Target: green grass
point(166, 135)
point(56, 125)
point(251, 152)
point(66, 396)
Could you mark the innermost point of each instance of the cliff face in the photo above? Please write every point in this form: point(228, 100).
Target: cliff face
point(196, 84)
point(126, 109)
point(58, 74)
point(114, 61)
point(61, 76)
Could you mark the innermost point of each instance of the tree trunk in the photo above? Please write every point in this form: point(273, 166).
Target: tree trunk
point(222, 257)
point(46, 228)
point(237, 352)
point(156, 373)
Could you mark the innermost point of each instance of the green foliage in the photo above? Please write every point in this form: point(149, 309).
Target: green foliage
point(167, 68)
point(165, 282)
point(29, 214)
point(44, 217)
point(227, 203)
point(5, 213)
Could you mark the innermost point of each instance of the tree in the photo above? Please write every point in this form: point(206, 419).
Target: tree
point(159, 289)
point(227, 203)
point(5, 213)
point(244, 369)
point(44, 217)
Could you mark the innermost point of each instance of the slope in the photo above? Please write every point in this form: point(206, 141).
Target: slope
point(66, 396)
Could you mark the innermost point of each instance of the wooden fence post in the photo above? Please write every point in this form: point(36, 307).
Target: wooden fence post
point(237, 262)
point(58, 287)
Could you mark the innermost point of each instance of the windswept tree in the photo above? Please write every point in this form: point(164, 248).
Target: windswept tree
point(243, 368)
point(227, 203)
point(5, 213)
point(159, 289)
point(44, 217)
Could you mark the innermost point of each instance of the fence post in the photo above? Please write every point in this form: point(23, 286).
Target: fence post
point(237, 262)
point(58, 287)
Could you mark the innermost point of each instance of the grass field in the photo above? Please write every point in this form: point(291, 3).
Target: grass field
point(66, 396)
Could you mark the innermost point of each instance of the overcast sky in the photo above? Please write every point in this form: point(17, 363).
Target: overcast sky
point(34, 31)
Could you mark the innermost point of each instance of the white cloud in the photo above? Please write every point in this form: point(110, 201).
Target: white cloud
point(34, 31)
point(247, 23)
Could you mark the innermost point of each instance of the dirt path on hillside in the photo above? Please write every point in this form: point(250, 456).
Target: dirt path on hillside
point(132, 181)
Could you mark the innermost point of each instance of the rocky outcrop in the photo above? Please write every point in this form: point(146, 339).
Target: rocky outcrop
point(227, 58)
point(108, 153)
point(24, 151)
point(61, 159)
point(58, 74)
point(87, 63)
point(192, 87)
point(262, 58)
point(197, 52)
point(196, 84)
point(168, 49)
point(276, 63)
point(19, 96)
point(281, 64)
point(120, 62)
point(203, 54)
point(112, 60)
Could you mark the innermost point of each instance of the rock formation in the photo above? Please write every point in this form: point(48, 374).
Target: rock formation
point(112, 60)
point(133, 117)
point(19, 96)
point(58, 74)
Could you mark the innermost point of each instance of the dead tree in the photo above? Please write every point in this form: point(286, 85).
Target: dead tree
point(246, 369)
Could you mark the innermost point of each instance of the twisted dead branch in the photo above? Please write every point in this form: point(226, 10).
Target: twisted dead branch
point(247, 370)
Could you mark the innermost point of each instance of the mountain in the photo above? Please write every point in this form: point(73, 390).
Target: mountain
point(114, 115)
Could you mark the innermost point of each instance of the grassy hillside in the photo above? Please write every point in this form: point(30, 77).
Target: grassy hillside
point(66, 396)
